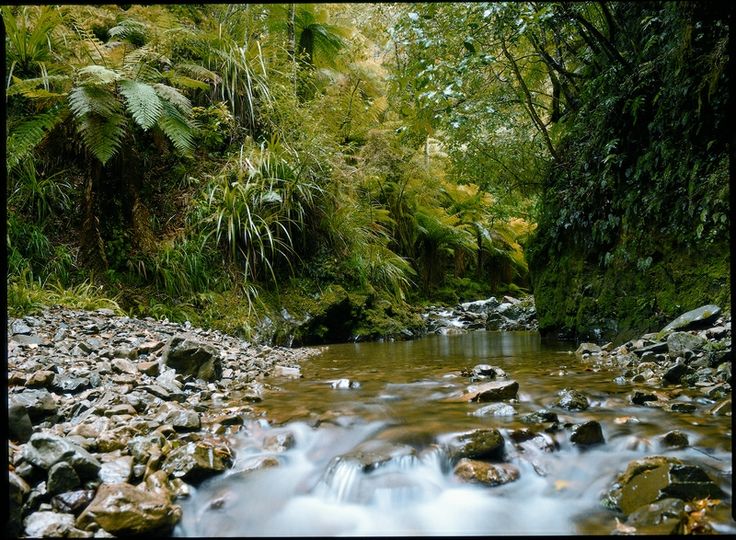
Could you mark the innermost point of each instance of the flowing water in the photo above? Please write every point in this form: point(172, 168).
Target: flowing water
point(321, 486)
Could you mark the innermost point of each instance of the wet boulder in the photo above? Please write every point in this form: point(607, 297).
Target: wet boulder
point(124, 510)
point(679, 342)
point(19, 423)
point(191, 357)
point(572, 400)
point(372, 454)
point(665, 517)
point(587, 348)
point(495, 409)
point(45, 450)
point(674, 439)
point(654, 478)
point(62, 477)
point(18, 490)
point(541, 416)
point(697, 318)
point(48, 524)
point(39, 403)
point(198, 460)
point(481, 444)
point(72, 502)
point(490, 391)
point(482, 472)
point(587, 433)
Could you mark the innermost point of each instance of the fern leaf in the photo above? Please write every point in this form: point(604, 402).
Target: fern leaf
point(176, 127)
point(198, 72)
point(93, 99)
point(102, 135)
point(186, 82)
point(143, 102)
point(128, 29)
point(173, 96)
point(27, 86)
point(95, 74)
point(29, 134)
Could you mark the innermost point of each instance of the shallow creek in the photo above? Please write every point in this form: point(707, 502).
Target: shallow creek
point(399, 400)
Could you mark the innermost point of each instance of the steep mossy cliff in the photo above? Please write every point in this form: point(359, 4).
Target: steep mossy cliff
point(634, 226)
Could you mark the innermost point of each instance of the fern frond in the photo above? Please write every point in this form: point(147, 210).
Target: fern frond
point(102, 135)
point(143, 102)
point(93, 46)
point(195, 71)
point(186, 82)
point(26, 86)
point(30, 133)
point(173, 96)
point(176, 127)
point(128, 29)
point(95, 74)
point(93, 99)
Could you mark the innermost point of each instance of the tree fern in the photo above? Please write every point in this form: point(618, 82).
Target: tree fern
point(142, 101)
point(96, 74)
point(176, 127)
point(93, 99)
point(102, 135)
point(173, 96)
point(25, 137)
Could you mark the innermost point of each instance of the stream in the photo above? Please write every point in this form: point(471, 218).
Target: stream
point(306, 475)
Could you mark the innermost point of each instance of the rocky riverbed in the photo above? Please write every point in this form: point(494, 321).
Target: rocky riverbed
point(113, 420)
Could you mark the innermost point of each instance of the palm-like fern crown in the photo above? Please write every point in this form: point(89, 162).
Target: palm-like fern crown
point(114, 82)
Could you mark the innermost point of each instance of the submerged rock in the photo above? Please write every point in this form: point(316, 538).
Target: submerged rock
point(490, 474)
point(478, 444)
point(654, 478)
point(490, 391)
point(572, 400)
point(587, 433)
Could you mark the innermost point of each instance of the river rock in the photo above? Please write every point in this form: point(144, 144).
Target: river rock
point(541, 416)
point(44, 450)
point(488, 371)
point(191, 357)
point(572, 400)
point(374, 453)
point(39, 403)
point(73, 502)
point(18, 489)
point(62, 477)
point(654, 478)
point(495, 409)
point(697, 318)
point(490, 474)
point(48, 524)
point(124, 510)
point(665, 517)
point(587, 433)
point(117, 471)
point(674, 439)
point(679, 342)
point(19, 423)
point(197, 460)
point(490, 391)
point(479, 444)
point(587, 348)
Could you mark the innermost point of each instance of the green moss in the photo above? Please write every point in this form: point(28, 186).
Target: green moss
point(575, 296)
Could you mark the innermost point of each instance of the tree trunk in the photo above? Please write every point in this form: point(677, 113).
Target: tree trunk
point(291, 44)
point(92, 248)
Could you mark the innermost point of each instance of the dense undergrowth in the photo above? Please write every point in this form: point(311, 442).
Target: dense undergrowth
point(319, 172)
